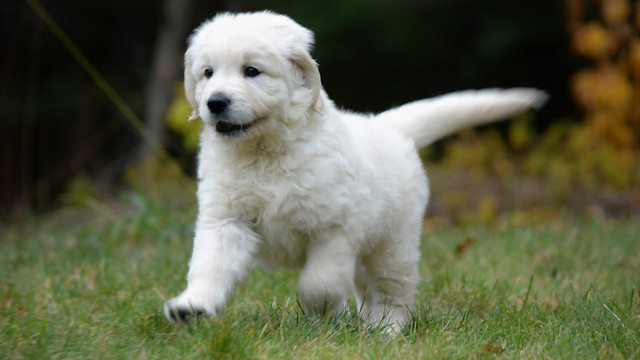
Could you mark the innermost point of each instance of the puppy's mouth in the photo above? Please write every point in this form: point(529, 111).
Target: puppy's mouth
point(230, 129)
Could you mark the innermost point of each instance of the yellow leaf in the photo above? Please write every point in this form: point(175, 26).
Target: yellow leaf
point(592, 40)
point(615, 11)
point(177, 119)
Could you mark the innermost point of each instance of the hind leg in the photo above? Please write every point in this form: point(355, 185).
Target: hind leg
point(391, 279)
point(327, 276)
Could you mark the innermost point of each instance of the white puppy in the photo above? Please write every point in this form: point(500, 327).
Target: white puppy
point(287, 179)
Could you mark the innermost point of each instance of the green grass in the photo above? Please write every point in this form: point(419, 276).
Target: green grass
point(90, 283)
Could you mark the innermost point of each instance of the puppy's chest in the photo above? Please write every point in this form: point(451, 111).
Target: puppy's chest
point(285, 217)
point(285, 206)
point(282, 203)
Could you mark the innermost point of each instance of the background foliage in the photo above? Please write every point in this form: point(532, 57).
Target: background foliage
point(58, 130)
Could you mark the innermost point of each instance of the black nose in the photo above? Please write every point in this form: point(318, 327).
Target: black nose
point(217, 104)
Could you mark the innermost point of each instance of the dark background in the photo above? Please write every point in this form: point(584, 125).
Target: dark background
point(55, 122)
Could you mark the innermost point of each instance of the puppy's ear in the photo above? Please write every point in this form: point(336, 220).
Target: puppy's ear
point(190, 85)
point(308, 76)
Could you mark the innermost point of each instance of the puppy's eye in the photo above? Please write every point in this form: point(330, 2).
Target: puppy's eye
point(208, 73)
point(250, 71)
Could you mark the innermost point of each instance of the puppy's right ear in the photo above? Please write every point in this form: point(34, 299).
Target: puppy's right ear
point(190, 84)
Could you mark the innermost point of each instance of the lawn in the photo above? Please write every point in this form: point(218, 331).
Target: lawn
point(90, 282)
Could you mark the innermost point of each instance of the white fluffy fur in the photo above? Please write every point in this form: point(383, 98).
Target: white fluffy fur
point(339, 195)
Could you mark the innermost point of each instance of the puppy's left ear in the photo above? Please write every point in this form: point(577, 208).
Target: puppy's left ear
point(308, 76)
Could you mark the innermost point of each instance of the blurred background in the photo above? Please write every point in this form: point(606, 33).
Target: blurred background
point(91, 92)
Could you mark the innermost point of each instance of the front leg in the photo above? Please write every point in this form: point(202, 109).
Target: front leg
point(222, 255)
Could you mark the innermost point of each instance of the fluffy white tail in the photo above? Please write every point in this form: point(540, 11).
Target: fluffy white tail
point(426, 121)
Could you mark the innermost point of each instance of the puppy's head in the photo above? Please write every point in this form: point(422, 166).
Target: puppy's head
point(246, 72)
